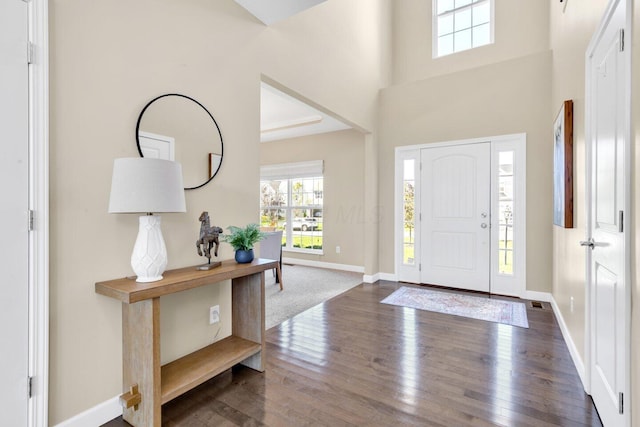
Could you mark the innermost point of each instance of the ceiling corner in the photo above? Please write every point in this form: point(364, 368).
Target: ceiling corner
point(272, 11)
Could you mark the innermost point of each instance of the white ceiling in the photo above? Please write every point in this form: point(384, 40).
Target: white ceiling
point(271, 11)
point(283, 116)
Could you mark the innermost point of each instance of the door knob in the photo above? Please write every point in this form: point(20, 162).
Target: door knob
point(483, 214)
point(590, 243)
point(483, 225)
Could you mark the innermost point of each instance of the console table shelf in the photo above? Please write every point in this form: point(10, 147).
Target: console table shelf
point(190, 371)
point(146, 384)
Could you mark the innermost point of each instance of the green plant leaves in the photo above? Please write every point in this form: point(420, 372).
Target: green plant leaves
point(243, 238)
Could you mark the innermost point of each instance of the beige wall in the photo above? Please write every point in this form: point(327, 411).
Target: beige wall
point(110, 57)
point(571, 32)
point(494, 90)
point(343, 221)
point(635, 256)
point(635, 237)
point(497, 99)
point(522, 28)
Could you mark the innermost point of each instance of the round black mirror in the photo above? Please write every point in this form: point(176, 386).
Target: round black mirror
point(177, 127)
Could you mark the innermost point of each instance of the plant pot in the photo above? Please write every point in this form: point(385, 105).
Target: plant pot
point(244, 257)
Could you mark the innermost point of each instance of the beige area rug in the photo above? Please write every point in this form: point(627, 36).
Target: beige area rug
point(304, 287)
point(492, 310)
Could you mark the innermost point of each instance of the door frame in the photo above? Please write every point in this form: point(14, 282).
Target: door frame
point(39, 204)
point(589, 329)
point(516, 142)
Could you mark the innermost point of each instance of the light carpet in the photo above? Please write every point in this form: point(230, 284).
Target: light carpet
point(492, 310)
point(304, 287)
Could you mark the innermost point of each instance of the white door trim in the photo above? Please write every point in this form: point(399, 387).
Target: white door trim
point(589, 330)
point(39, 203)
point(409, 151)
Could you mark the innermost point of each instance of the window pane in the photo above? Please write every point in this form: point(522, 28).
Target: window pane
point(481, 13)
point(444, 5)
point(445, 45)
point(505, 212)
point(409, 212)
point(460, 3)
point(462, 20)
point(505, 262)
point(481, 35)
point(299, 214)
point(462, 40)
point(273, 193)
point(445, 25)
point(472, 26)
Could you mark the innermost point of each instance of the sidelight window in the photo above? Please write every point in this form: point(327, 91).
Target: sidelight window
point(408, 210)
point(505, 212)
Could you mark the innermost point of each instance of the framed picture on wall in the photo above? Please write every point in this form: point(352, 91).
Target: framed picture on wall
point(563, 166)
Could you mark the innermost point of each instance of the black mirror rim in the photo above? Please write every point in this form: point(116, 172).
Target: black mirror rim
point(208, 113)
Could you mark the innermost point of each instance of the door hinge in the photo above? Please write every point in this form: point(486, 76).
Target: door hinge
point(419, 266)
point(621, 221)
point(30, 53)
point(621, 39)
point(621, 403)
point(32, 216)
point(30, 387)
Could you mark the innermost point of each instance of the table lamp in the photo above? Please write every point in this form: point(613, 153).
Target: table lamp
point(143, 185)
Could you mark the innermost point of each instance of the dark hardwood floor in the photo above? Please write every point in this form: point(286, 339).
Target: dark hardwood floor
point(355, 362)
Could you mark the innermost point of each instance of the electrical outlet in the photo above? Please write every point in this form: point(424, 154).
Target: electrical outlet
point(214, 314)
point(337, 249)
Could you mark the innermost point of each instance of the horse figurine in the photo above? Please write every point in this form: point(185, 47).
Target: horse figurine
point(208, 237)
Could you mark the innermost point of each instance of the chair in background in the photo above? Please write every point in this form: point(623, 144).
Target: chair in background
point(271, 248)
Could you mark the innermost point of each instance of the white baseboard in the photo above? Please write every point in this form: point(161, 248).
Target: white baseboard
point(96, 416)
point(390, 277)
point(320, 264)
point(573, 350)
point(371, 278)
point(538, 296)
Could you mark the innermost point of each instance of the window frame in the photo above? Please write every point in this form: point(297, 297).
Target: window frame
point(290, 172)
point(434, 26)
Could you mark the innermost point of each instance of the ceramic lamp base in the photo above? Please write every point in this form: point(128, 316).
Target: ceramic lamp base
point(149, 258)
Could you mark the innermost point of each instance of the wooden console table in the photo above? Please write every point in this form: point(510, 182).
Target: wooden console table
point(148, 385)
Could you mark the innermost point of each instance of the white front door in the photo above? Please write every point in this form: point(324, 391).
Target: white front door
point(14, 187)
point(607, 122)
point(456, 216)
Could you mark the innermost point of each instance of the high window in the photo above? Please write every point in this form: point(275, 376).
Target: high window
point(291, 200)
point(461, 24)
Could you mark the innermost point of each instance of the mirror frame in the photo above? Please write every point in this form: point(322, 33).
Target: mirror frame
point(208, 113)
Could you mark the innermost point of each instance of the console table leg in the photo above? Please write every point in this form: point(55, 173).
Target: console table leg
point(247, 300)
point(141, 360)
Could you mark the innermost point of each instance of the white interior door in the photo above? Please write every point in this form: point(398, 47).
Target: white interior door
point(456, 216)
point(155, 146)
point(14, 187)
point(608, 111)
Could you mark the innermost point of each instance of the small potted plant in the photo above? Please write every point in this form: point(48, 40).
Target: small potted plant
point(242, 241)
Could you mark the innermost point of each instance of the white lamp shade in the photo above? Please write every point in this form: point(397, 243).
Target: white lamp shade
point(143, 185)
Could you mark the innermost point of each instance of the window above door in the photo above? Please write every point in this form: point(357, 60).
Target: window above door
point(460, 25)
